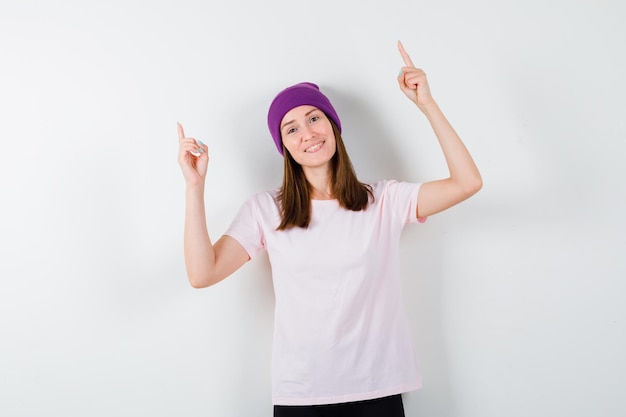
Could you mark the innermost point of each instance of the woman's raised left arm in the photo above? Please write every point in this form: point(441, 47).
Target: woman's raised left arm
point(464, 180)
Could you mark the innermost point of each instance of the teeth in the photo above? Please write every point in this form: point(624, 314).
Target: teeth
point(314, 148)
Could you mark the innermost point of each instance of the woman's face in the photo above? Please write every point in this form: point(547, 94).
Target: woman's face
point(308, 136)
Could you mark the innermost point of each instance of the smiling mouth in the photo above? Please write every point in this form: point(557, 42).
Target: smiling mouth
point(315, 147)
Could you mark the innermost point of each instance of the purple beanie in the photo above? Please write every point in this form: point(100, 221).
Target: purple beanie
point(294, 96)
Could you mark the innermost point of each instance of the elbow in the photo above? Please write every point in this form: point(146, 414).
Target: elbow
point(473, 186)
point(477, 184)
point(197, 284)
point(200, 281)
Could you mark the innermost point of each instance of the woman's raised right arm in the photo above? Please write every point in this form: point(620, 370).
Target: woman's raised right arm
point(206, 263)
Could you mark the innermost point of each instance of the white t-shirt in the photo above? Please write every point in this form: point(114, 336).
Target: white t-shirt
point(341, 332)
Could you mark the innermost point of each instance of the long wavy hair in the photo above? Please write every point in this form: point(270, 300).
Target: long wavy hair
point(294, 195)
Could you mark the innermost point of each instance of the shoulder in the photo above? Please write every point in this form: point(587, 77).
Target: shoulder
point(385, 186)
point(262, 203)
point(389, 190)
point(259, 209)
point(267, 197)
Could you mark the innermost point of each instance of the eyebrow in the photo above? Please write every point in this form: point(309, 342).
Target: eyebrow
point(292, 121)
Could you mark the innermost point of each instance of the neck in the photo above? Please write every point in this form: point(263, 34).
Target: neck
point(320, 181)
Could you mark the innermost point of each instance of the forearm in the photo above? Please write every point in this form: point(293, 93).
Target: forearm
point(463, 170)
point(199, 251)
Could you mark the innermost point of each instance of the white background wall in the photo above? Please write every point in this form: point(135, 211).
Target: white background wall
point(515, 297)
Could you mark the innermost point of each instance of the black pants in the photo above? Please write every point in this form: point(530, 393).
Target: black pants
point(380, 407)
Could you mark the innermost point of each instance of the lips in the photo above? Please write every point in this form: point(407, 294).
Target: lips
point(315, 148)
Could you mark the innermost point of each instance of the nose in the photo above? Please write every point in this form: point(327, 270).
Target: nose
point(307, 133)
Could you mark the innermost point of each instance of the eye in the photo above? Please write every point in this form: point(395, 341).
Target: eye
point(290, 131)
point(314, 118)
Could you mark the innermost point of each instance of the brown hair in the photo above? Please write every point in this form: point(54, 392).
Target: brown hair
point(295, 194)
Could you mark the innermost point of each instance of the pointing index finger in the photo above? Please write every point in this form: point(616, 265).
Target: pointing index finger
point(181, 132)
point(405, 57)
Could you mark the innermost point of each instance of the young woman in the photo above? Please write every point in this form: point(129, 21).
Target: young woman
point(342, 345)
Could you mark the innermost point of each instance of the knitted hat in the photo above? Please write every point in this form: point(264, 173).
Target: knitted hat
point(294, 96)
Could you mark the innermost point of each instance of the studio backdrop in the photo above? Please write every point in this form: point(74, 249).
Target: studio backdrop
point(515, 297)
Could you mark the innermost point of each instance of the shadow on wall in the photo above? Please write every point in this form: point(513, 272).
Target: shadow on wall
point(260, 160)
point(365, 138)
point(422, 280)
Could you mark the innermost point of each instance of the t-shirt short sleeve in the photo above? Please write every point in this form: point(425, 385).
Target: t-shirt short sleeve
point(246, 228)
point(403, 196)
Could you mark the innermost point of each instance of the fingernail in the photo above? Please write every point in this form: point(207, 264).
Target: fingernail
point(200, 143)
point(400, 73)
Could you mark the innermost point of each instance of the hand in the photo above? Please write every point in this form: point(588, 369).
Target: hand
point(193, 158)
point(413, 81)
